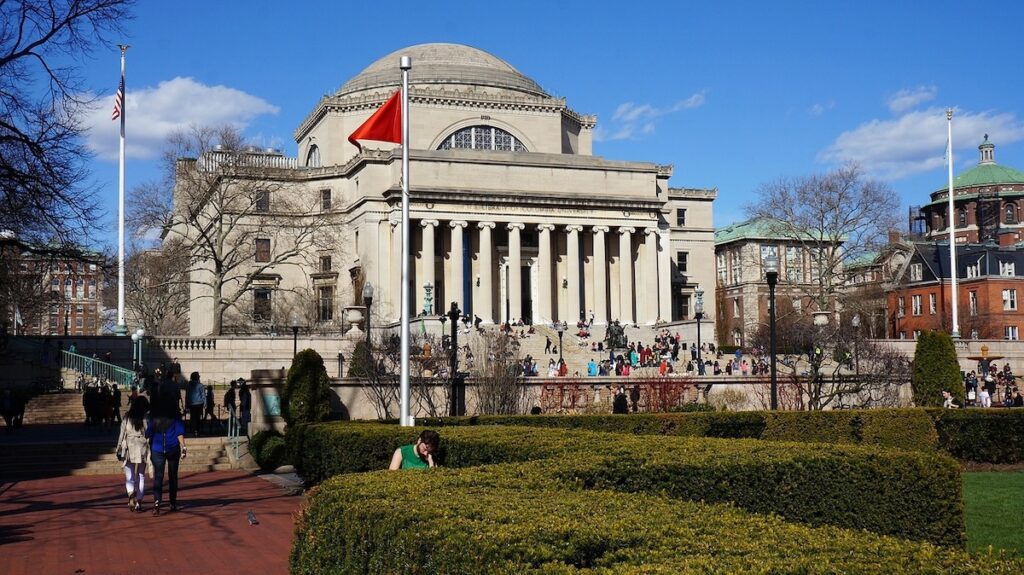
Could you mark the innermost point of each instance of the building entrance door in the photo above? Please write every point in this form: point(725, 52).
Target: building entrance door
point(527, 290)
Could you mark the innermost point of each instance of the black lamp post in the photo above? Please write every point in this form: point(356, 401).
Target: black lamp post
point(457, 394)
point(295, 335)
point(368, 300)
point(856, 327)
point(771, 274)
point(560, 327)
point(698, 314)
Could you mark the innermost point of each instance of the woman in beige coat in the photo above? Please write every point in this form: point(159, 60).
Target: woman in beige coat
point(133, 450)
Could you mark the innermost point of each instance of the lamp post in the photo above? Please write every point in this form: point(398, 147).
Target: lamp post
point(698, 314)
point(368, 300)
point(560, 328)
point(457, 393)
point(137, 339)
point(771, 274)
point(856, 361)
point(295, 335)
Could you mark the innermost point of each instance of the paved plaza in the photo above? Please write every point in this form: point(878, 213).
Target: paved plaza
point(82, 525)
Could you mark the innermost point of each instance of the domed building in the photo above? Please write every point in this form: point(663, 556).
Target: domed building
point(512, 216)
point(987, 200)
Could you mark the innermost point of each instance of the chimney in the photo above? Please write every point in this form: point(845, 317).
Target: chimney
point(894, 237)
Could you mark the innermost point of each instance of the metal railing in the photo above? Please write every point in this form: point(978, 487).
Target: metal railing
point(233, 435)
point(92, 367)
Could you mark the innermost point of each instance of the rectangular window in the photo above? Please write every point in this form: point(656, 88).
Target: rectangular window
point(681, 261)
point(916, 272)
point(917, 334)
point(684, 304)
point(78, 322)
point(972, 301)
point(262, 250)
point(262, 203)
point(325, 311)
point(794, 265)
point(325, 200)
point(53, 325)
point(723, 272)
point(798, 304)
point(973, 270)
point(261, 304)
point(1010, 332)
point(680, 217)
point(325, 263)
point(92, 289)
point(1009, 299)
point(736, 308)
point(915, 305)
point(1007, 269)
point(931, 303)
point(901, 306)
point(737, 268)
point(55, 284)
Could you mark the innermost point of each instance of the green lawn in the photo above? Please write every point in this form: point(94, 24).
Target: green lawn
point(994, 503)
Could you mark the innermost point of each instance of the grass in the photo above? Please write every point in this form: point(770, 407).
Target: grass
point(994, 504)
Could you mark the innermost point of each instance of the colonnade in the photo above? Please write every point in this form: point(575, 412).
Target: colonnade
point(574, 270)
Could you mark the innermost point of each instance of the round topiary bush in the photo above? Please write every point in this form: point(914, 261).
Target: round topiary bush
point(935, 370)
point(268, 449)
point(306, 397)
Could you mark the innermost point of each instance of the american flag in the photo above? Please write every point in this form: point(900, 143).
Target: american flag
point(118, 101)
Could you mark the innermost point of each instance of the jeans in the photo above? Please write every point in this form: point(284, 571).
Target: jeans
point(135, 480)
point(195, 417)
point(171, 460)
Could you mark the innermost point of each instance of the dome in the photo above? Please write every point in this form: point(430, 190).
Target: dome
point(443, 64)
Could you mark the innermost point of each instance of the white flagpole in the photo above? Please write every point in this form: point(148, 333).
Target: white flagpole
point(405, 417)
point(952, 228)
point(122, 329)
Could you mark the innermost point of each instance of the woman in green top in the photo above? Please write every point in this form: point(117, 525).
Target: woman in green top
point(418, 456)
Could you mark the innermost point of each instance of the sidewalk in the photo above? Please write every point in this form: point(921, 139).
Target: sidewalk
point(82, 525)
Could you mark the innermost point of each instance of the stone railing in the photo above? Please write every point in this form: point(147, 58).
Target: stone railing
point(185, 343)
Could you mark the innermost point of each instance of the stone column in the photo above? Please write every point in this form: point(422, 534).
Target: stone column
point(573, 273)
point(455, 290)
point(427, 253)
point(544, 309)
point(665, 277)
point(600, 305)
point(515, 272)
point(647, 287)
point(484, 302)
point(626, 275)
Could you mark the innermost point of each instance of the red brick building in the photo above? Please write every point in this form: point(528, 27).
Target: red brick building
point(990, 280)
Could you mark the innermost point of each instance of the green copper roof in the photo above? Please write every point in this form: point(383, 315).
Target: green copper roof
point(758, 228)
point(865, 259)
point(986, 174)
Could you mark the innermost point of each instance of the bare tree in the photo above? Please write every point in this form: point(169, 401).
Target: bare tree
point(380, 368)
point(157, 293)
point(237, 213)
point(498, 371)
point(833, 217)
point(43, 192)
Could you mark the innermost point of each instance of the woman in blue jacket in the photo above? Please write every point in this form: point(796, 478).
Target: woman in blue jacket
point(167, 448)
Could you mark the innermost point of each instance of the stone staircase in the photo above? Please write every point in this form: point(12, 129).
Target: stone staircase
point(55, 408)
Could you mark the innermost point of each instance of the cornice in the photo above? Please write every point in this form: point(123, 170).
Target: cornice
point(694, 193)
point(512, 198)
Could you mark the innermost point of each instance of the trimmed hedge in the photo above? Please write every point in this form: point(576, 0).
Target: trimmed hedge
point(269, 450)
point(915, 495)
point(498, 519)
point(981, 435)
point(910, 429)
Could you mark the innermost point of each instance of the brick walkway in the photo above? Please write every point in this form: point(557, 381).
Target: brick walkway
point(69, 525)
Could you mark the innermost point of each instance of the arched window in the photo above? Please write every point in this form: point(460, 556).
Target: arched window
point(1011, 213)
point(313, 157)
point(482, 138)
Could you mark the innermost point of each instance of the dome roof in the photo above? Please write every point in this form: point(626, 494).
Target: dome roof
point(443, 64)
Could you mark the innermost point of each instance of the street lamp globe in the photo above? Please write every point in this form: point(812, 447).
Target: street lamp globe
point(368, 291)
point(135, 337)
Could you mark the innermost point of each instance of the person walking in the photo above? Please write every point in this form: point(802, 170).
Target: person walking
point(196, 394)
point(115, 402)
point(209, 415)
point(229, 401)
point(245, 405)
point(133, 451)
point(167, 448)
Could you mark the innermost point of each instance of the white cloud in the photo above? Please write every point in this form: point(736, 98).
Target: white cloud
point(631, 120)
point(910, 98)
point(152, 114)
point(821, 107)
point(916, 142)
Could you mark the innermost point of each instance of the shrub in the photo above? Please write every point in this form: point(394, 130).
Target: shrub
point(981, 435)
point(306, 397)
point(900, 428)
point(361, 364)
point(501, 520)
point(935, 369)
point(268, 449)
point(910, 494)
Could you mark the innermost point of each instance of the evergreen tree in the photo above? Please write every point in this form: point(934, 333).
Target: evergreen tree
point(306, 397)
point(935, 369)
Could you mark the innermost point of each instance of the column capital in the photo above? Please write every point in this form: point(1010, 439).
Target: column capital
point(574, 228)
point(458, 224)
point(602, 229)
point(482, 225)
point(515, 226)
point(626, 230)
point(546, 227)
point(651, 231)
point(425, 223)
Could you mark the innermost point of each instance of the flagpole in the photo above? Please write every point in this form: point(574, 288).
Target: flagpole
point(405, 419)
point(952, 228)
point(122, 329)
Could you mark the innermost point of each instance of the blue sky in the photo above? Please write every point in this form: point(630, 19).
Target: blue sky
point(733, 94)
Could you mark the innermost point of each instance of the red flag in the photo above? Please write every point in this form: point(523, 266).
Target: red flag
point(385, 125)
